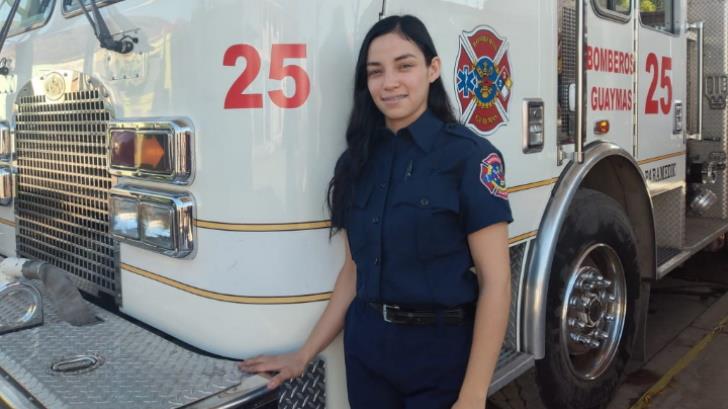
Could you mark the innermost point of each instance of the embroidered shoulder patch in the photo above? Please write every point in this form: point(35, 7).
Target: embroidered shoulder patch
point(491, 176)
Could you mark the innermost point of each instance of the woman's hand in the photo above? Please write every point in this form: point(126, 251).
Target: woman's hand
point(288, 366)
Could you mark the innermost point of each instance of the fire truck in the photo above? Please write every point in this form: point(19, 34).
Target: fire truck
point(163, 173)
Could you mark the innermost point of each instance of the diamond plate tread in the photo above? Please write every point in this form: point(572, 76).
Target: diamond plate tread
point(307, 391)
point(141, 370)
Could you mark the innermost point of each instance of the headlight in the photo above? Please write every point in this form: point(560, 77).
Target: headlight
point(159, 150)
point(157, 223)
point(124, 217)
point(162, 221)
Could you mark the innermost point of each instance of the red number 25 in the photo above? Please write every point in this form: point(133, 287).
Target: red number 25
point(237, 98)
point(652, 65)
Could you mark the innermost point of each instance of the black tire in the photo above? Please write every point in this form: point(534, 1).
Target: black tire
point(594, 220)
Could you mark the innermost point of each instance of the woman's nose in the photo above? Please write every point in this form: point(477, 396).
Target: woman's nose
point(391, 80)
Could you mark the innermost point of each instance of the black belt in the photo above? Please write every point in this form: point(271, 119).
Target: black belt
point(397, 314)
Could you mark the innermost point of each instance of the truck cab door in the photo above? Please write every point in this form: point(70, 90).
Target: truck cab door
point(609, 71)
point(661, 89)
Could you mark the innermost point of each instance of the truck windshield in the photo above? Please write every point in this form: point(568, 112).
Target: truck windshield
point(30, 14)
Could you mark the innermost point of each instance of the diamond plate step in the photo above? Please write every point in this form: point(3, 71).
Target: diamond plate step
point(511, 364)
point(140, 370)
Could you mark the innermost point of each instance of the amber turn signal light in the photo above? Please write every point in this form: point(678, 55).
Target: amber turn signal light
point(601, 127)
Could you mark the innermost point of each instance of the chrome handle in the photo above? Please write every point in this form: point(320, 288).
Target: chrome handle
point(580, 80)
point(698, 27)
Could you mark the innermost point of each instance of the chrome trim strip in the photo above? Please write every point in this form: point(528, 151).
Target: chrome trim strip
point(183, 230)
point(699, 28)
point(250, 393)
point(503, 376)
point(14, 396)
point(581, 97)
point(539, 265)
point(179, 147)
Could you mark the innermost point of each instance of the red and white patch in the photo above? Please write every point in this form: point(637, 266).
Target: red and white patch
point(492, 176)
point(483, 80)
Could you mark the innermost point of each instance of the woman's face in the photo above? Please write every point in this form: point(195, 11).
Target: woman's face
point(399, 79)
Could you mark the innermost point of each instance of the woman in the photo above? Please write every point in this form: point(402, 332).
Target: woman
point(420, 200)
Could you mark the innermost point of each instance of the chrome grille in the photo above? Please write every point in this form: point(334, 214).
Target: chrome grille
point(63, 187)
point(567, 72)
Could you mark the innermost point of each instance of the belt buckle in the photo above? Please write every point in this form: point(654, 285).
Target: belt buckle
point(386, 308)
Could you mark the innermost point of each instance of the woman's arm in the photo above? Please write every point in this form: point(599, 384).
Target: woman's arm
point(489, 249)
point(327, 328)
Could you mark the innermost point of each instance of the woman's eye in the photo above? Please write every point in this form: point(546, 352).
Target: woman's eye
point(373, 73)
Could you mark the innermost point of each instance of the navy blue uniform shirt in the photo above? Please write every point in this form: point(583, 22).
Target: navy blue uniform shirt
point(422, 191)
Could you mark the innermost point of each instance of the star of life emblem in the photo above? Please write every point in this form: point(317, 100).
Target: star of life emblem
point(483, 80)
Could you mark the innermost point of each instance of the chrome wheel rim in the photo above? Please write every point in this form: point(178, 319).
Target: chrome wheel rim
point(594, 310)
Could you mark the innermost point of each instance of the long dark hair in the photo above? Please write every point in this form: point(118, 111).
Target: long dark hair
point(365, 117)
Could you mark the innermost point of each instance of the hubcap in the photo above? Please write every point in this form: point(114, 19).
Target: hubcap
point(593, 313)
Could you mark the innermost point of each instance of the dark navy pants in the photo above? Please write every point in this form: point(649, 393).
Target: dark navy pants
point(391, 366)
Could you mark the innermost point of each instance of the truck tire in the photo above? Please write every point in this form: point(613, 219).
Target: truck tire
point(591, 316)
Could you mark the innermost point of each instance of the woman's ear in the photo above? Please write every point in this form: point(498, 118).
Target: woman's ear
point(434, 69)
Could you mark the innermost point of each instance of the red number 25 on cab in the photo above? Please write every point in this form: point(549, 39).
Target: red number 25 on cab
point(237, 98)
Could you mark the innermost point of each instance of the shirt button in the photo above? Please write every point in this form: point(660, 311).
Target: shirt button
point(375, 220)
point(377, 261)
point(424, 202)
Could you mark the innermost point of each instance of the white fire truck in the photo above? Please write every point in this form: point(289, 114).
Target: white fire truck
point(169, 158)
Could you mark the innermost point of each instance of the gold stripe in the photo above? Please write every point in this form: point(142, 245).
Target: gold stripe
point(206, 224)
point(655, 159)
point(321, 224)
point(7, 222)
point(532, 185)
point(6, 403)
point(523, 236)
point(238, 299)
point(656, 389)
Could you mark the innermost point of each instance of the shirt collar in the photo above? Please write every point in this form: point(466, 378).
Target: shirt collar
point(424, 130)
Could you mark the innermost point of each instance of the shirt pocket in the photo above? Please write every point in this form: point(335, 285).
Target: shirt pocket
point(358, 228)
point(439, 227)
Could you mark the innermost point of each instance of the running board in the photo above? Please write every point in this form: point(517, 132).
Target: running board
point(699, 232)
point(113, 364)
point(511, 365)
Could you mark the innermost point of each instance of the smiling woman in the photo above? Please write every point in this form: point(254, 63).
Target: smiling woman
point(420, 200)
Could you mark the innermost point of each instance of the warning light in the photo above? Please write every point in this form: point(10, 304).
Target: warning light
point(601, 127)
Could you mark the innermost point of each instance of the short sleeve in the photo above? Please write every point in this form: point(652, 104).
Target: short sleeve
point(483, 192)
